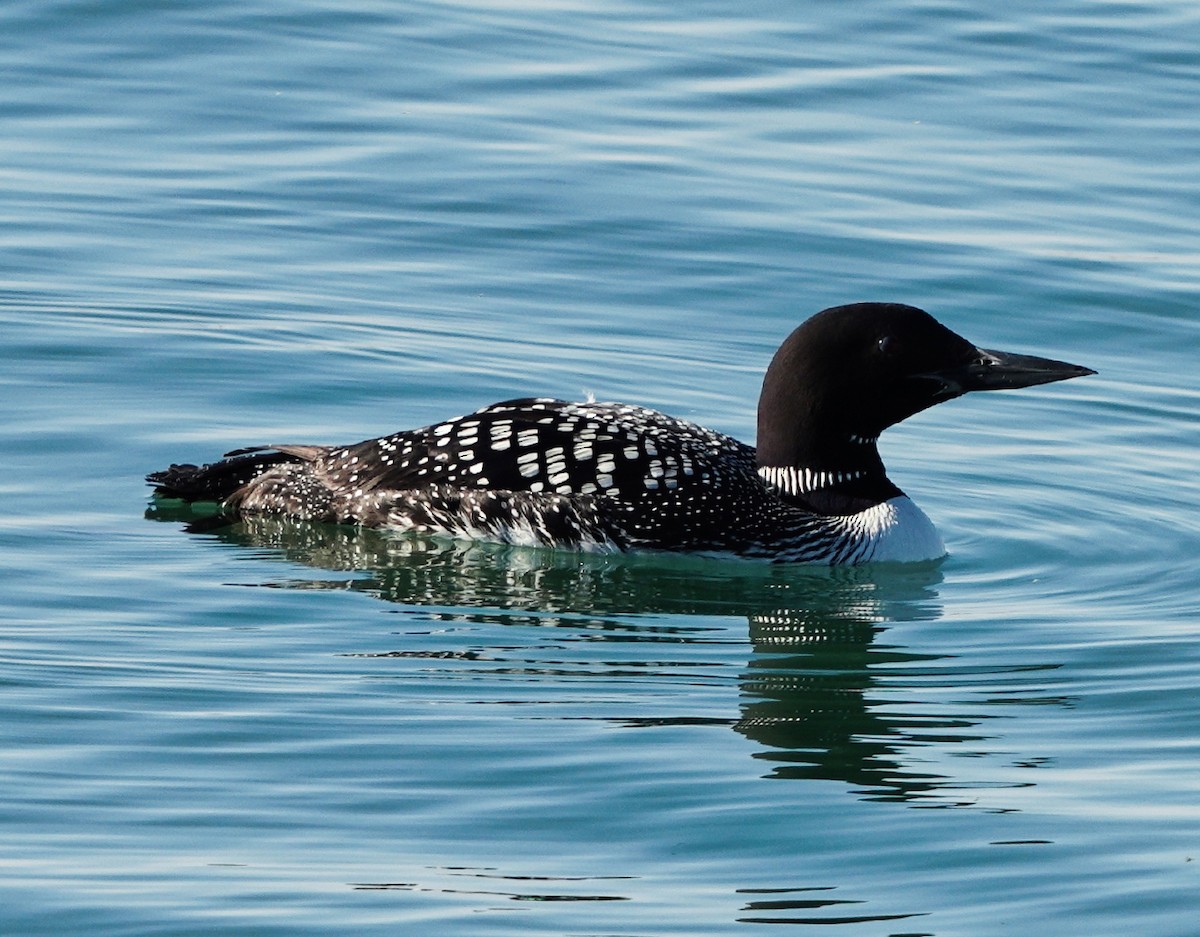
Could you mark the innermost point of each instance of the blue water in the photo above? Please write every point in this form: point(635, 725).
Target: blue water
point(257, 222)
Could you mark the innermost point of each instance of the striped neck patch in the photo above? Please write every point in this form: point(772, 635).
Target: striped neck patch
point(797, 481)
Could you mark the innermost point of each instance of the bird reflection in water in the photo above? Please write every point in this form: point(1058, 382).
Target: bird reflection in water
point(818, 668)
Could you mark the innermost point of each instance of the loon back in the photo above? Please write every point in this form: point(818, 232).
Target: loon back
point(548, 472)
point(532, 471)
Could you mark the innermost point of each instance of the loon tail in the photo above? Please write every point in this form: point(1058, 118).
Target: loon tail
point(217, 481)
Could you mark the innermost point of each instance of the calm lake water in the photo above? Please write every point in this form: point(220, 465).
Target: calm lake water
point(230, 223)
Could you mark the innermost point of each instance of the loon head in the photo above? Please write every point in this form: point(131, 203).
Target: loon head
point(849, 372)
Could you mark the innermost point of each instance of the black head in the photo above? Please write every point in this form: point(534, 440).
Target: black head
point(850, 372)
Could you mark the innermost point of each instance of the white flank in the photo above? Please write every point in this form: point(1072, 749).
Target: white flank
point(896, 531)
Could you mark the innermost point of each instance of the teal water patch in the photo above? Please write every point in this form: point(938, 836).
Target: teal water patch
point(252, 223)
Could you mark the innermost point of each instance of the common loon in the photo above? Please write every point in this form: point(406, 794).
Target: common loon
point(609, 476)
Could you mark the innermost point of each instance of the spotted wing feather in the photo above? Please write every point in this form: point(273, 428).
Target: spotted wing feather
point(544, 446)
point(539, 471)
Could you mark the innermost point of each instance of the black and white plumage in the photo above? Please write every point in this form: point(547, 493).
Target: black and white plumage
point(539, 471)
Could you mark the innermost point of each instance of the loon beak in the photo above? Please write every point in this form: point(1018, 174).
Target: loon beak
point(1002, 370)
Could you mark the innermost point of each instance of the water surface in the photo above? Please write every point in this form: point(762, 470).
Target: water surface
point(233, 223)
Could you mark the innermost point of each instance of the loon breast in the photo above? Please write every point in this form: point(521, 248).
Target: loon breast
point(894, 531)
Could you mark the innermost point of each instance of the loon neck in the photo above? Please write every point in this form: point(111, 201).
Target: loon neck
point(843, 477)
point(817, 445)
